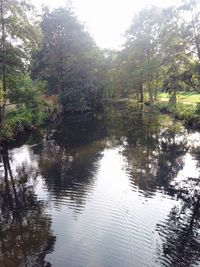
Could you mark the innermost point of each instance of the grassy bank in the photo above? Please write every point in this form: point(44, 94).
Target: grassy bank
point(187, 108)
point(189, 98)
point(21, 120)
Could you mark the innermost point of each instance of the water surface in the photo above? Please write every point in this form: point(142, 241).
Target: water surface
point(116, 189)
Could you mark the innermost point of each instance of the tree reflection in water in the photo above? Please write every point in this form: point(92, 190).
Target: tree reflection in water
point(152, 146)
point(153, 151)
point(155, 155)
point(69, 163)
point(25, 229)
point(180, 232)
point(69, 173)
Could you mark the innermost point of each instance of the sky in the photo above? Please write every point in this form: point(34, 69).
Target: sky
point(106, 20)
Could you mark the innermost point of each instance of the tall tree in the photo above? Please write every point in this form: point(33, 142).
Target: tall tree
point(69, 60)
point(191, 18)
point(156, 53)
point(175, 52)
point(18, 36)
point(143, 46)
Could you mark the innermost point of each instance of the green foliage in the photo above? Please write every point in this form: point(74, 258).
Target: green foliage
point(198, 108)
point(182, 97)
point(73, 100)
point(69, 60)
point(1, 94)
point(160, 53)
point(25, 91)
point(19, 38)
point(184, 111)
point(28, 106)
point(80, 99)
point(20, 35)
point(20, 120)
point(190, 114)
point(117, 77)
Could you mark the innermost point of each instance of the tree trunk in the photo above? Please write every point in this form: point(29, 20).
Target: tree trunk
point(173, 99)
point(138, 93)
point(141, 92)
point(150, 94)
point(198, 46)
point(148, 77)
point(196, 35)
point(3, 43)
point(157, 82)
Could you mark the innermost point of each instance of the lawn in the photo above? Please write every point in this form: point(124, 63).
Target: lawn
point(190, 98)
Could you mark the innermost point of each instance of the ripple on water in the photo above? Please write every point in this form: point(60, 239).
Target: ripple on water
point(119, 201)
point(108, 226)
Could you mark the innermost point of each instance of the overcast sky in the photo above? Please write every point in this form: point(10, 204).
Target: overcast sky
point(106, 20)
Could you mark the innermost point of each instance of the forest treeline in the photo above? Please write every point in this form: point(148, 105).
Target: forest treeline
point(49, 60)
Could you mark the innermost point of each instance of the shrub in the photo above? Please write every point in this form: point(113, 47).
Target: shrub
point(198, 108)
point(184, 111)
point(73, 100)
point(80, 98)
point(21, 120)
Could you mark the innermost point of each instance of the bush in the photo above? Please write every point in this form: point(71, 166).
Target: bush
point(198, 108)
point(184, 111)
point(73, 100)
point(80, 99)
point(25, 91)
point(21, 120)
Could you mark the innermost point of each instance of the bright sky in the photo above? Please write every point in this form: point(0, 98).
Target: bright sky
point(106, 20)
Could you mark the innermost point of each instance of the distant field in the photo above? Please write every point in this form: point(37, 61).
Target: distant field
point(191, 98)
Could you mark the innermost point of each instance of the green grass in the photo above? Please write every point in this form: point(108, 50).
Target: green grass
point(190, 98)
point(187, 108)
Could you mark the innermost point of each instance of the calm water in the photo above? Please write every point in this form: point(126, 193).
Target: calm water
point(118, 189)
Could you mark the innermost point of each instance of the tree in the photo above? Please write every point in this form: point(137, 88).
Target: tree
point(18, 37)
point(28, 92)
point(191, 18)
point(175, 53)
point(156, 54)
point(69, 60)
point(190, 10)
point(142, 47)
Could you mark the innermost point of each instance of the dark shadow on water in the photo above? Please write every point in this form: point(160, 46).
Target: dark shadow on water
point(69, 163)
point(79, 129)
point(180, 232)
point(25, 230)
point(70, 173)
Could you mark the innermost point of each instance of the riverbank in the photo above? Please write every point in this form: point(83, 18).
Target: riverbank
point(189, 114)
point(187, 108)
point(20, 121)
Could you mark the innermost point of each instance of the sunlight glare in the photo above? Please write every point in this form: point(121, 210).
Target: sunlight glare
point(106, 20)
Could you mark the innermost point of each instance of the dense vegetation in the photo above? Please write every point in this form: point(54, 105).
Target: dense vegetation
point(69, 61)
point(47, 63)
point(161, 54)
point(50, 62)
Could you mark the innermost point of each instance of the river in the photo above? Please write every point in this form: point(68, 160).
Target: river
point(114, 189)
